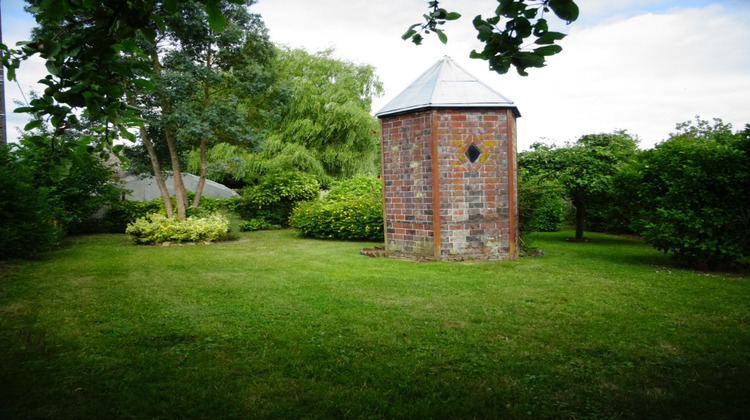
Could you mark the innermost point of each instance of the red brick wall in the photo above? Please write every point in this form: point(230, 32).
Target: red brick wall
point(407, 188)
point(474, 199)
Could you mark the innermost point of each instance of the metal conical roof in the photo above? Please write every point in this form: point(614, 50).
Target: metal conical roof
point(446, 85)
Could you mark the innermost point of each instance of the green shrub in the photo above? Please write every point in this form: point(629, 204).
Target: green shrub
point(85, 192)
point(353, 209)
point(79, 184)
point(690, 194)
point(28, 222)
point(157, 228)
point(211, 205)
point(274, 196)
point(358, 186)
point(540, 207)
point(257, 223)
point(119, 215)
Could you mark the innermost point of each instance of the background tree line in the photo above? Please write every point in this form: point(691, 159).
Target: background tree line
point(688, 196)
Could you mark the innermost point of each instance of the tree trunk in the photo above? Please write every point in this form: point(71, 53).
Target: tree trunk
point(580, 217)
point(158, 174)
point(179, 187)
point(174, 156)
point(204, 141)
point(202, 178)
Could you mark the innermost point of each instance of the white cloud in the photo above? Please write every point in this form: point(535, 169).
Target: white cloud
point(640, 65)
point(642, 73)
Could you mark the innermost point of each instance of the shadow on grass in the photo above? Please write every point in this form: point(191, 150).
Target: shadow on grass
point(608, 248)
point(627, 250)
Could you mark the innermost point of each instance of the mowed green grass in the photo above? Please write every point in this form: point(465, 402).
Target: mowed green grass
point(276, 326)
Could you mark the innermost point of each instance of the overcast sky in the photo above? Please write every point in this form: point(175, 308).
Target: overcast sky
point(638, 65)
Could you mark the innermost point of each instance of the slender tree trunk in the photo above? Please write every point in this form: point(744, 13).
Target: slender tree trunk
point(158, 174)
point(179, 186)
point(202, 178)
point(580, 217)
point(204, 141)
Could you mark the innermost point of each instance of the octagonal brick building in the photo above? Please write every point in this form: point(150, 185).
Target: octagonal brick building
point(448, 144)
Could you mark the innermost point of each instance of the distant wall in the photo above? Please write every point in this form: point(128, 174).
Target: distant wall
point(146, 189)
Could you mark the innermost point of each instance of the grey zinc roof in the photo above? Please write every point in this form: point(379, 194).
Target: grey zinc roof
point(446, 85)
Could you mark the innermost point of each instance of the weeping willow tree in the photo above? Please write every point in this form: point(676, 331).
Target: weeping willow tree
point(229, 163)
point(324, 128)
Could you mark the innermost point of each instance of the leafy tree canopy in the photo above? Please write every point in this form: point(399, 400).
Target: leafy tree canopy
point(583, 169)
point(95, 51)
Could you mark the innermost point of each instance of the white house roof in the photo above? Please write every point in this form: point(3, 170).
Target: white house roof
point(145, 188)
point(446, 85)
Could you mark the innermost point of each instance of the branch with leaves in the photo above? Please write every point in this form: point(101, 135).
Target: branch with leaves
point(437, 17)
point(505, 45)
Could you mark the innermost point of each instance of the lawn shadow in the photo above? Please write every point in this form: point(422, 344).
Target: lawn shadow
point(632, 250)
point(616, 249)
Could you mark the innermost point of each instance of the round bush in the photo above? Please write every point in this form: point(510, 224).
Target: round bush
point(353, 209)
point(157, 228)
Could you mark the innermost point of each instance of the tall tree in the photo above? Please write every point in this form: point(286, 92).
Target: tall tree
point(584, 169)
point(199, 77)
point(320, 125)
point(329, 112)
point(228, 68)
point(95, 52)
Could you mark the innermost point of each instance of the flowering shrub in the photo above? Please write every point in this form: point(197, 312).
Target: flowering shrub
point(353, 209)
point(157, 228)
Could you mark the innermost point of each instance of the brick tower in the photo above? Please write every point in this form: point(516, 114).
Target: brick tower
point(448, 145)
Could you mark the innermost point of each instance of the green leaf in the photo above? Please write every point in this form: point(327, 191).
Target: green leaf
point(143, 83)
point(475, 54)
point(522, 26)
point(51, 48)
point(540, 27)
point(216, 19)
point(59, 168)
point(452, 16)
point(159, 22)
point(441, 35)
point(52, 68)
point(548, 50)
point(53, 9)
point(127, 134)
point(528, 59)
point(566, 10)
point(11, 72)
point(485, 29)
point(32, 125)
point(410, 32)
point(549, 38)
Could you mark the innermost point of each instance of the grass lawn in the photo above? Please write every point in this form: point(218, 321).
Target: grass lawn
point(275, 326)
